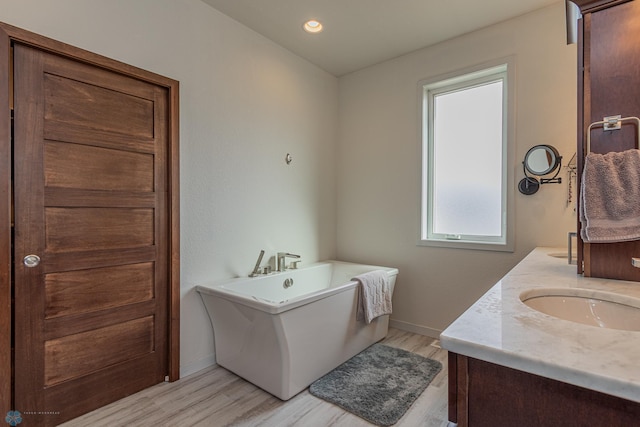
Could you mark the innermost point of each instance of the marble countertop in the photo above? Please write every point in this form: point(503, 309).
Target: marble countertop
point(500, 329)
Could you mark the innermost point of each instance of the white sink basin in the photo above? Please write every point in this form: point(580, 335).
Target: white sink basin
point(574, 255)
point(594, 308)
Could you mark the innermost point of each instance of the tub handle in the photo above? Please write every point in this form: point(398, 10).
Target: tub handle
point(256, 269)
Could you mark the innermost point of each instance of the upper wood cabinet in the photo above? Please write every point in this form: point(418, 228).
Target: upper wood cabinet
point(608, 77)
point(593, 5)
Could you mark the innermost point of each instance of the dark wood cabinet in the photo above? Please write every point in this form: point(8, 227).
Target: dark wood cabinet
point(485, 394)
point(595, 5)
point(608, 78)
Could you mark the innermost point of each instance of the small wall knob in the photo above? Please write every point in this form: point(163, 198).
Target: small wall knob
point(31, 261)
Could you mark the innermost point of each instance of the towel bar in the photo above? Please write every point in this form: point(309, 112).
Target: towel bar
point(611, 121)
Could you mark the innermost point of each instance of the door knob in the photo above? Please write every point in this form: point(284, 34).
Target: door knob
point(31, 261)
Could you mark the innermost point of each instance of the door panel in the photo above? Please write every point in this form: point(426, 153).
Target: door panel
point(82, 105)
point(82, 291)
point(70, 357)
point(90, 200)
point(95, 168)
point(68, 132)
point(74, 229)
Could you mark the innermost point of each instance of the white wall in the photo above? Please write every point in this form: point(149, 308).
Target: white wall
point(244, 104)
point(379, 172)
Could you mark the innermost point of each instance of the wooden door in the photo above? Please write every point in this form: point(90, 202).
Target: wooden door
point(90, 188)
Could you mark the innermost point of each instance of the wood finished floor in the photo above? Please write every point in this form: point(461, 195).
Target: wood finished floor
point(216, 397)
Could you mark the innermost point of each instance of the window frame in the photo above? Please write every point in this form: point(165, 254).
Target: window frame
point(502, 69)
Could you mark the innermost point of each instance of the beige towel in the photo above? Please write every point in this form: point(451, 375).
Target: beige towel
point(610, 197)
point(374, 295)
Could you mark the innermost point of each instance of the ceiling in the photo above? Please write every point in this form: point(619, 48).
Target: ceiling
point(360, 33)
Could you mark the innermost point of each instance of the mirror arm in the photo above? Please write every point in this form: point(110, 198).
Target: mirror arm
point(555, 179)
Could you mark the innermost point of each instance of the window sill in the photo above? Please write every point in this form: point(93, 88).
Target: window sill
point(462, 244)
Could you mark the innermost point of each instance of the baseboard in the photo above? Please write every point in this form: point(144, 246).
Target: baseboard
point(198, 365)
point(416, 329)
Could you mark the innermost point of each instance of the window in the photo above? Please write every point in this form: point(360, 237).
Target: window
point(466, 129)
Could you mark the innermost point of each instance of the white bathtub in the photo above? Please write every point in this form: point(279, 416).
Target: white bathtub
point(282, 338)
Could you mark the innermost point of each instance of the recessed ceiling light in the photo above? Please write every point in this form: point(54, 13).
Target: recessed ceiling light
point(312, 26)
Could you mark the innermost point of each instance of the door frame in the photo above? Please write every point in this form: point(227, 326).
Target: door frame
point(9, 34)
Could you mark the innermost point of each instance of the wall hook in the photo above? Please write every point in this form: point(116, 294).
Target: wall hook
point(288, 158)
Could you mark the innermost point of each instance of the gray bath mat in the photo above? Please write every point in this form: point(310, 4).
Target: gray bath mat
point(378, 384)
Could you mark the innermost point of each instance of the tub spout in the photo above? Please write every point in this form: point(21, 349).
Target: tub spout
point(282, 256)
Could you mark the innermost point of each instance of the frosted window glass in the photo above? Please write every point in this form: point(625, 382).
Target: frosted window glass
point(467, 161)
point(467, 158)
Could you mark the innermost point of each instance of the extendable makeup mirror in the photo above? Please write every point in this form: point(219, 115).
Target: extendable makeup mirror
point(539, 161)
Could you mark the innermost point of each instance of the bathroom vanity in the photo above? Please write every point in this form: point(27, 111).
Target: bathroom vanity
point(510, 364)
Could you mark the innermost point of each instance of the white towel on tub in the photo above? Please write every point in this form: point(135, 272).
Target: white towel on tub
point(374, 295)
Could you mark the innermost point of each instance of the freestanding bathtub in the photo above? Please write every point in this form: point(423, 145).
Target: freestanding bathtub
point(283, 331)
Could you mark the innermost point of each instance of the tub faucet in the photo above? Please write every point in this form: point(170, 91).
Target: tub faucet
point(281, 264)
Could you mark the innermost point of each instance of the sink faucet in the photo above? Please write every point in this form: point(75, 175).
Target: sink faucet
point(281, 264)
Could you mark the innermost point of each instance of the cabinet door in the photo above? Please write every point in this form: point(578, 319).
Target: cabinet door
point(483, 394)
point(611, 78)
point(90, 161)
